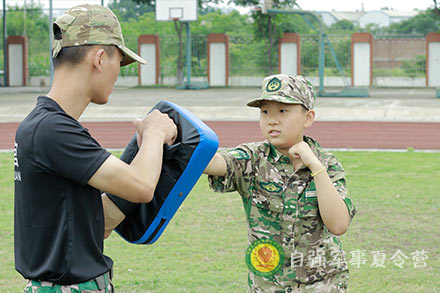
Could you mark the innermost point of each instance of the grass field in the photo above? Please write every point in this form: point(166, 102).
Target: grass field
point(202, 250)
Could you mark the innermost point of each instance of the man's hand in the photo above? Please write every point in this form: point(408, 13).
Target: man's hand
point(156, 123)
point(303, 152)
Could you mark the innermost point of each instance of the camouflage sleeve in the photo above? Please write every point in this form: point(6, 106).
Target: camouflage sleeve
point(238, 170)
point(337, 176)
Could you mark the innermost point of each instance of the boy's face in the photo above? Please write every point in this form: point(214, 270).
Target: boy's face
point(283, 124)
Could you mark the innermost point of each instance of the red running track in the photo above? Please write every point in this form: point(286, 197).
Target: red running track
point(355, 135)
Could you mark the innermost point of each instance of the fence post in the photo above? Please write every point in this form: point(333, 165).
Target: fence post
point(289, 52)
point(218, 59)
point(433, 59)
point(149, 49)
point(17, 54)
point(361, 59)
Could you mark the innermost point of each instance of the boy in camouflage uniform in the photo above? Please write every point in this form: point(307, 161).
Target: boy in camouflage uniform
point(293, 193)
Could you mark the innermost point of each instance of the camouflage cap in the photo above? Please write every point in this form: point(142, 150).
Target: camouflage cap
point(286, 89)
point(90, 25)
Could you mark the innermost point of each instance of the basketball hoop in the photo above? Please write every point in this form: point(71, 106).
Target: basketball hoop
point(176, 10)
point(267, 4)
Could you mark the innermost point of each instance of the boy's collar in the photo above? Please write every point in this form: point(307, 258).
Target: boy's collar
point(275, 156)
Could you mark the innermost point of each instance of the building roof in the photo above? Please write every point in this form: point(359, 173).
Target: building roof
point(407, 14)
point(354, 16)
point(347, 15)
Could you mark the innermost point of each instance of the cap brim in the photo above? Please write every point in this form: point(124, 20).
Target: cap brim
point(130, 57)
point(257, 102)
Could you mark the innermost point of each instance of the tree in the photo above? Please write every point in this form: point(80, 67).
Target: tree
point(266, 23)
point(126, 9)
point(342, 26)
point(37, 30)
point(436, 8)
point(422, 23)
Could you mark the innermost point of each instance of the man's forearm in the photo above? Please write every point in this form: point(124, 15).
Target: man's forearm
point(112, 215)
point(148, 161)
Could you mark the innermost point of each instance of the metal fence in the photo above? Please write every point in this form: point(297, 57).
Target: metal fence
point(395, 56)
point(399, 56)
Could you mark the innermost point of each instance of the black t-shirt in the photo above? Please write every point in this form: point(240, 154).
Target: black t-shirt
point(58, 220)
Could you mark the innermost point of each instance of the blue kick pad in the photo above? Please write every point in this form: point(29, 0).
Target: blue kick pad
point(183, 164)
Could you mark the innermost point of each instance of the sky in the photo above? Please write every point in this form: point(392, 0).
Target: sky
point(337, 5)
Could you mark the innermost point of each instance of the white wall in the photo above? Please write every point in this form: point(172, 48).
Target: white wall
point(376, 17)
point(327, 18)
point(15, 62)
point(434, 64)
point(289, 62)
point(148, 71)
point(361, 64)
point(217, 64)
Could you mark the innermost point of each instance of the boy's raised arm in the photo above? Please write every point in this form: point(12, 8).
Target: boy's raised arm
point(217, 166)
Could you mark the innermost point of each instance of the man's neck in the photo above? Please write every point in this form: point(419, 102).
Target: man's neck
point(70, 91)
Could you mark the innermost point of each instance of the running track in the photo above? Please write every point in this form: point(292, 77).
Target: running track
point(355, 135)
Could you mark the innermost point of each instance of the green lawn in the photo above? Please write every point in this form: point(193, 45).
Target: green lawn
point(202, 250)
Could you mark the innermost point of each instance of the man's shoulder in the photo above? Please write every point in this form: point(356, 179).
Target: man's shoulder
point(42, 127)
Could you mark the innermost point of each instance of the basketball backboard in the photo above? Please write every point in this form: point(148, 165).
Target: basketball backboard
point(169, 10)
point(266, 5)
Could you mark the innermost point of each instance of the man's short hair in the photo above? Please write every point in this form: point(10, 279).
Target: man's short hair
point(75, 55)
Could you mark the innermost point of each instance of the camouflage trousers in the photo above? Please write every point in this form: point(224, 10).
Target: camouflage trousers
point(335, 284)
point(102, 284)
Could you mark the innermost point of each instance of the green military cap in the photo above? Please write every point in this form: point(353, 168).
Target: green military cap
point(286, 89)
point(90, 25)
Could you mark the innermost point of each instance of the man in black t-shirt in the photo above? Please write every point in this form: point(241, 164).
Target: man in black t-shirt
point(60, 170)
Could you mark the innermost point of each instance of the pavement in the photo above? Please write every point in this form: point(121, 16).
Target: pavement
point(411, 115)
point(228, 104)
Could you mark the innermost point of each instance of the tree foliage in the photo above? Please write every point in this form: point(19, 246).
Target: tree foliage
point(436, 8)
point(33, 23)
point(201, 3)
point(127, 9)
point(423, 23)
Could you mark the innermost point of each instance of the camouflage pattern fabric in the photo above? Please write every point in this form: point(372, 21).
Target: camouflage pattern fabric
point(335, 284)
point(91, 25)
point(281, 205)
point(286, 89)
point(86, 287)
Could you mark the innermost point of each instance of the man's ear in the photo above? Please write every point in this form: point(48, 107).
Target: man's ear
point(310, 118)
point(97, 57)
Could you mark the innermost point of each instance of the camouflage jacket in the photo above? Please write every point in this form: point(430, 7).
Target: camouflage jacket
point(281, 205)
